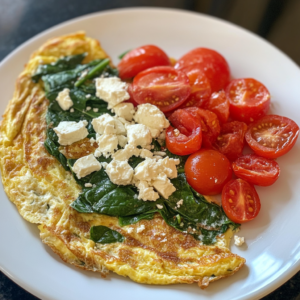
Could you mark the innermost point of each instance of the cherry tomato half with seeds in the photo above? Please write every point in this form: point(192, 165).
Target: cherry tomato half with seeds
point(140, 59)
point(186, 137)
point(230, 142)
point(272, 136)
point(164, 87)
point(212, 63)
point(256, 169)
point(207, 171)
point(209, 125)
point(240, 201)
point(249, 99)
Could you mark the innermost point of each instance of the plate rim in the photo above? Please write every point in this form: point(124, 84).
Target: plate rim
point(268, 288)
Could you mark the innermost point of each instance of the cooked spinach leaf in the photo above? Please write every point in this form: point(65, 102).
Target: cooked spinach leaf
point(104, 235)
point(62, 64)
point(204, 220)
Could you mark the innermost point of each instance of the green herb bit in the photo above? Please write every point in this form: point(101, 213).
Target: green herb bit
point(92, 72)
point(104, 235)
point(123, 54)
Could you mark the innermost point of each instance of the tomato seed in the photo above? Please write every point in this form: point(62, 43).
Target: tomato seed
point(231, 192)
point(230, 201)
point(250, 209)
point(251, 201)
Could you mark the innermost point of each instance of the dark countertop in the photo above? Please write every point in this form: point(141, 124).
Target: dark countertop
point(272, 19)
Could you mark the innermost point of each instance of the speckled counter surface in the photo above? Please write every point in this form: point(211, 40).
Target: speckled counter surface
point(22, 19)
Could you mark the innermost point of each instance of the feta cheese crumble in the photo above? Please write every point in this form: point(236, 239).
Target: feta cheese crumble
point(140, 228)
point(125, 111)
point(86, 165)
point(119, 172)
point(112, 90)
point(239, 241)
point(107, 144)
point(64, 100)
point(151, 116)
point(69, 132)
point(139, 135)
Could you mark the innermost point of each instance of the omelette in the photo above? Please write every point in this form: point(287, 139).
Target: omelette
point(151, 249)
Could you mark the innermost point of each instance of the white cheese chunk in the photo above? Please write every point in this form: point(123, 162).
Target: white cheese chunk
point(151, 116)
point(164, 186)
point(107, 144)
point(86, 165)
point(126, 153)
point(119, 172)
point(124, 110)
point(122, 140)
point(100, 123)
point(239, 241)
point(139, 135)
point(146, 153)
point(69, 132)
point(112, 90)
point(64, 100)
point(146, 192)
point(159, 206)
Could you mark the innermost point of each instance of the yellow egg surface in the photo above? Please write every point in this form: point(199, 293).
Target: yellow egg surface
point(42, 191)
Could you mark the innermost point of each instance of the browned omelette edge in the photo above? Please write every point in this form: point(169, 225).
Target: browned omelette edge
point(30, 174)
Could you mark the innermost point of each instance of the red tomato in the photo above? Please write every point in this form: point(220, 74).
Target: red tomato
point(272, 136)
point(200, 85)
point(249, 99)
point(219, 104)
point(256, 170)
point(140, 59)
point(207, 171)
point(186, 137)
point(131, 100)
point(164, 87)
point(240, 201)
point(212, 63)
point(209, 125)
point(231, 140)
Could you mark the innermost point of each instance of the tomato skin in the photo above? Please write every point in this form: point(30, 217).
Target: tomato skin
point(249, 99)
point(219, 104)
point(189, 138)
point(209, 124)
point(207, 171)
point(200, 86)
point(131, 99)
point(240, 201)
point(212, 63)
point(272, 136)
point(164, 87)
point(230, 142)
point(140, 59)
point(256, 170)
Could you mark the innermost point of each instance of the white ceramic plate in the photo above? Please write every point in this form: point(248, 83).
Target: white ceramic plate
point(272, 250)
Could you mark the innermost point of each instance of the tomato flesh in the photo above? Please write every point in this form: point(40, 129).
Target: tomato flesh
point(240, 201)
point(186, 137)
point(212, 63)
point(272, 136)
point(230, 142)
point(207, 171)
point(209, 125)
point(164, 87)
point(256, 170)
point(140, 59)
point(249, 99)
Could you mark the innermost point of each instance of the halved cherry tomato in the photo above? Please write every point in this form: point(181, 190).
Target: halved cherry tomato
point(140, 59)
point(212, 63)
point(200, 85)
point(249, 99)
point(209, 125)
point(219, 104)
point(186, 138)
point(240, 201)
point(207, 171)
point(131, 100)
point(256, 169)
point(164, 87)
point(272, 136)
point(231, 140)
